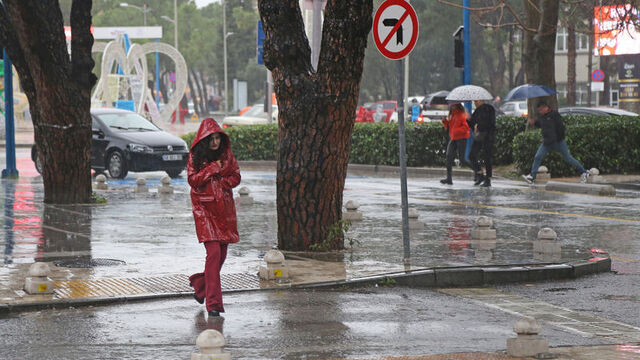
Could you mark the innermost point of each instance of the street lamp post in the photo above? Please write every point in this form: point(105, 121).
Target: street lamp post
point(174, 21)
point(224, 50)
point(145, 9)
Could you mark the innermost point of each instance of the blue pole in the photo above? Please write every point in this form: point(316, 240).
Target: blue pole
point(11, 170)
point(157, 78)
point(466, 75)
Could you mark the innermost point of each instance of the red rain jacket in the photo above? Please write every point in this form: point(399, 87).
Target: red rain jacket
point(457, 125)
point(214, 210)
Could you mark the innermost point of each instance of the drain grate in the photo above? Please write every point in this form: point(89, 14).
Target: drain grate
point(159, 285)
point(88, 263)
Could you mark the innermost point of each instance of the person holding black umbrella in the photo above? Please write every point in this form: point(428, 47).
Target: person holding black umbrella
point(553, 133)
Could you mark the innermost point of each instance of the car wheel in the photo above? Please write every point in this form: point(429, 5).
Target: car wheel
point(116, 165)
point(174, 173)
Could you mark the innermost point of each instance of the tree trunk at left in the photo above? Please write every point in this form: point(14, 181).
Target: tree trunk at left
point(316, 111)
point(58, 88)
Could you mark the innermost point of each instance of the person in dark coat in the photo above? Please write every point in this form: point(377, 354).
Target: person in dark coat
point(212, 172)
point(553, 133)
point(483, 124)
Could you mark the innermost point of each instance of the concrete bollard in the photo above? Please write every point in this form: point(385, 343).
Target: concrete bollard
point(594, 177)
point(414, 223)
point(141, 186)
point(210, 343)
point(543, 175)
point(38, 281)
point(101, 182)
point(165, 187)
point(528, 343)
point(483, 230)
point(244, 198)
point(546, 247)
point(276, 268)
point(352, 212)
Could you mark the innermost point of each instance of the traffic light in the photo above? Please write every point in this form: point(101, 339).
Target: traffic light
point(458, 47)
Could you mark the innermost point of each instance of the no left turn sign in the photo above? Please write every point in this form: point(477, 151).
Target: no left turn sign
point(395, 29)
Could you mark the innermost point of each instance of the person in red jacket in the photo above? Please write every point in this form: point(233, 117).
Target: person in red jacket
point(456, 123)
point(212, 172)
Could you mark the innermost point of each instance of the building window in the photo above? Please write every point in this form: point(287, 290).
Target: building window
point(582, 42)
point(561, 39)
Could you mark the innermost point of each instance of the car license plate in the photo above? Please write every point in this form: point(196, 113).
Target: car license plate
point(172, 157)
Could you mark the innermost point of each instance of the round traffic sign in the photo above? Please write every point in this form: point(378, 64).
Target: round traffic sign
point(597, 75)
point(395, 29)
point(172, 77)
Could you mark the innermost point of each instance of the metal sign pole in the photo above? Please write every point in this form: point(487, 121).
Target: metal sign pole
point(403, 166)
point(11, 171)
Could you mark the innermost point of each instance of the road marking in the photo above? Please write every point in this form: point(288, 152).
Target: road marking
point(577, 322)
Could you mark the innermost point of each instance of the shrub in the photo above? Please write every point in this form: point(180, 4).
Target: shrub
point(612, 144)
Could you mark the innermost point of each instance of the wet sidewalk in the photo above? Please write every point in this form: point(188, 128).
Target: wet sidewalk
point(139, 246)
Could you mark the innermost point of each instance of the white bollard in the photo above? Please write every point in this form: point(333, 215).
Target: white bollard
point(528, 343)
point(414, 223)
point(101, 182)
point(141, 186)
point(210, 343)
point(547, 247)
point(594, 177)
point(543, 175)
point(38, 281)
point(276, 268)
point(165, 187)
point(244, 198)
point(352, 213)
point(483, 230)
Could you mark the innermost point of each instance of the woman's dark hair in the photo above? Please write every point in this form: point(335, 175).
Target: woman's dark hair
point(203, 155)
point(455, 107)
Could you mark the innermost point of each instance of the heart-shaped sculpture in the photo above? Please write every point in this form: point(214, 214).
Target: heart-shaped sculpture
point(134, 70)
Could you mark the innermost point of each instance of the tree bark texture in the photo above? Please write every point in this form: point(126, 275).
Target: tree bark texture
point(315, 114)
point(58, 87)
point(540, 46)
point(571, 64)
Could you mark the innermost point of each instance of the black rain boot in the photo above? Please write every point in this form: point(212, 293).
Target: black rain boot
point(486, 183)
point(479, 179)
point(446, 181)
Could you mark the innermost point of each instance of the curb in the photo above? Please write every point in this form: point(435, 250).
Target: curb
point(467, 276)
point(470, 276)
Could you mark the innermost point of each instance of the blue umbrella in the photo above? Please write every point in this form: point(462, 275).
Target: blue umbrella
point(527, 91)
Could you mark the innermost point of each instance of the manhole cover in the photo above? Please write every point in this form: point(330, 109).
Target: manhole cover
point(88, 263)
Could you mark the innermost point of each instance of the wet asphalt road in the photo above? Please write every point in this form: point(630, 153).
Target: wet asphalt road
point(372, 321)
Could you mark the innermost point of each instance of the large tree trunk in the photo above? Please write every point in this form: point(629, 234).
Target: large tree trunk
point(316, 114)
point(58, 88)
point(540, 46)
point(571, 64)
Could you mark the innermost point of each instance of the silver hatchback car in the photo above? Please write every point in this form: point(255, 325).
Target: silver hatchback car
point(515, 108)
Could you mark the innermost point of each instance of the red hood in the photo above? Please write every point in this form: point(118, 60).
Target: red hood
point(208, 127)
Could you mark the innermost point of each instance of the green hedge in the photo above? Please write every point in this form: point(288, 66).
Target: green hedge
point(611, 144)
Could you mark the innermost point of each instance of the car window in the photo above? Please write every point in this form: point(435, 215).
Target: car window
point(389, 105)
point(126, 121)
point(522, 106)
point(94, 124)
point(508, 107)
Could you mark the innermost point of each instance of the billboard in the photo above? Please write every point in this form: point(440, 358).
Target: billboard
point(614, 29)
point(629, 78)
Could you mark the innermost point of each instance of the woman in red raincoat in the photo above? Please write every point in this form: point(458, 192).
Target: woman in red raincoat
point(458, 128)
point(213, 171)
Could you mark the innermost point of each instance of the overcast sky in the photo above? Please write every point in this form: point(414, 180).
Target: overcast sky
point(202, 3)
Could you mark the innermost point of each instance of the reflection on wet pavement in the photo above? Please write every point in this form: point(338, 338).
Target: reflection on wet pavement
point(154, 235)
